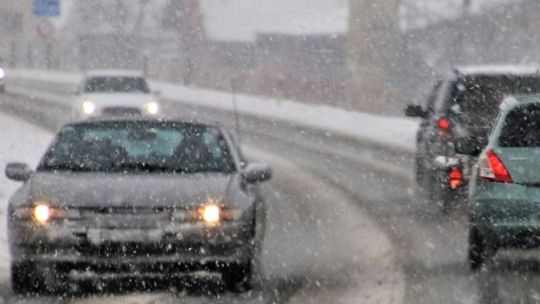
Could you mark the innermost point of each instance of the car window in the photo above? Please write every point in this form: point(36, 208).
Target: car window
point(475, 101)
point(430, 105)
point(139, 146)
point(116, 85)
point(521, 128)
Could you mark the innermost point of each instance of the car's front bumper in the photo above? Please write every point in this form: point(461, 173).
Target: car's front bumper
point(177, 247)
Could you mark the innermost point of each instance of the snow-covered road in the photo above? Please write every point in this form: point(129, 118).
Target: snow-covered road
point(430, 249)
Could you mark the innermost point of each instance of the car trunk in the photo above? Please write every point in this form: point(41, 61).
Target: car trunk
point(523, 164)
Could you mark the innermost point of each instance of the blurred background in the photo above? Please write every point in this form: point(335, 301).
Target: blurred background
point(365, 55)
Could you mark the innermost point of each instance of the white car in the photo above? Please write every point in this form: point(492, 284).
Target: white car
point(114, 93)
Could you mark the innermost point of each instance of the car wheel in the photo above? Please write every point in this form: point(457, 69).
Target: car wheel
point(439, 194)
point(237, 277)
point(24, 279)
point(480, 250)
point(445, 203)
point(434, 193)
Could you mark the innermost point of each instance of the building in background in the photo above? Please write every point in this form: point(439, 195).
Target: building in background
point(374, 53)
point(18, 29)
point(259, 48)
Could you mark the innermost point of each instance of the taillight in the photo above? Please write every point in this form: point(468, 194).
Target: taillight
point(443, 124)
point(455, 178)
point(493, 169)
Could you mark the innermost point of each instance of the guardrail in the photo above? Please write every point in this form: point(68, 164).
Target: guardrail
point(392, 133)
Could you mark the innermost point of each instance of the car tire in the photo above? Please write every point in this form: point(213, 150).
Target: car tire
point(24, 279)
point(237, 277)
point(480, 250)
point(445, 203)
point(436, 191)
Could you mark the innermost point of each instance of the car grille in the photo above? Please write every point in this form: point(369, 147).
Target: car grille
point(125, 210)
point(122, 217)
point(121, 111)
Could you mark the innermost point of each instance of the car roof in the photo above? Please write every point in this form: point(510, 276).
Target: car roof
point(142, 119)
point(497, 70)
point(113, 73)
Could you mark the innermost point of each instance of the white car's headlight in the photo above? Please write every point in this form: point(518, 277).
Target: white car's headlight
point(88, 107)
point(151, 108)
point(2, 73)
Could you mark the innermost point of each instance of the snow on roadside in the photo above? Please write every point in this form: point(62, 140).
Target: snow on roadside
point(397, 133)
point(21, 142)
point(393, 132)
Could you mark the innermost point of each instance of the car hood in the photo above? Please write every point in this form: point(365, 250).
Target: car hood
point(118, 99)
point(133, 190)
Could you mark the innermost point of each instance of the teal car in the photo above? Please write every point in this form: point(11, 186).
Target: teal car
point(504, 194)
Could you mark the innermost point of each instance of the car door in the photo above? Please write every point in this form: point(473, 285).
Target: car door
point(427, 131)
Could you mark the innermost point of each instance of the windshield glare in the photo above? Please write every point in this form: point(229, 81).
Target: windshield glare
point(150, 147)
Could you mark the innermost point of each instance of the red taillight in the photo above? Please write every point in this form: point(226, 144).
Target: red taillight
point(455, 178)
point(443, 124)
point(492, 168)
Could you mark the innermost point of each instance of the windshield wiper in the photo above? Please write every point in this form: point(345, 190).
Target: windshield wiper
point(163, 168)
point(67, 167)
point(142, 167)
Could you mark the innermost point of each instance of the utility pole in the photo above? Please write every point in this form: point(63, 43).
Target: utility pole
point(463, 26)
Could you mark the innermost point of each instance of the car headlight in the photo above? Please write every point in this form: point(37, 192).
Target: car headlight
point(2, 73)
point(41, 213)
point(210, 214)
point(88, 107)
point(151, 108)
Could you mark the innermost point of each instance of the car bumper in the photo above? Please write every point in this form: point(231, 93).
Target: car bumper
point(508, 214)
point(183, 246)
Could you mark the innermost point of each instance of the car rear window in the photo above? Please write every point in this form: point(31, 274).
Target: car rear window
point(478, 99)
point(521, 128)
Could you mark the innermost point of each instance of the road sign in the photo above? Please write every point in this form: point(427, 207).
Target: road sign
point(45, 29)
point(47, 8)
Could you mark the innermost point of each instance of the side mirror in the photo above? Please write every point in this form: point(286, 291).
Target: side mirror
point(19, 172)
point(470, 145)
point(257, 173)
point(414, 110)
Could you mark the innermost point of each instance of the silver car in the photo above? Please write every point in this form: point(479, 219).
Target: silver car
point(141, 196)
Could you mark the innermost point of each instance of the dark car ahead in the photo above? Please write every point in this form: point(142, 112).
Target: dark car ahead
point(464, 104)
point(135, 197)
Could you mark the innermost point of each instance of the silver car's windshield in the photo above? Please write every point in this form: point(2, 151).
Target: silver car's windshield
point(139, 146)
